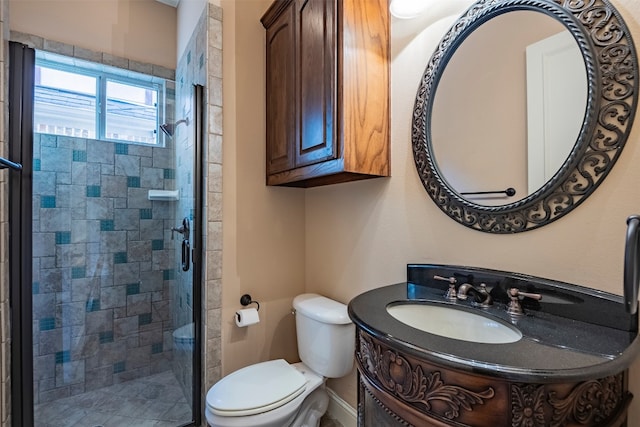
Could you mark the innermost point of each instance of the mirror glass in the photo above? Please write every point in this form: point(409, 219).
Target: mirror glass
point(527, 95)
point(518, 104)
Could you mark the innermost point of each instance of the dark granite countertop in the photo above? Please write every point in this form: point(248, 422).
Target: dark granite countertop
point(578, 334)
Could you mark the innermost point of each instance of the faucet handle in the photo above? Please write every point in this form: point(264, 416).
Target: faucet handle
point(452, 280)
point(514, 306)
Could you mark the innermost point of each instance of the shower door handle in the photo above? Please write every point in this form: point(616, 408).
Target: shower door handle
point(186, 255)
point(6, 163)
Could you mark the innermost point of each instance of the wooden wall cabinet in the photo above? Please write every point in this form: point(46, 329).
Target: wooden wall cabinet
point(327, 91)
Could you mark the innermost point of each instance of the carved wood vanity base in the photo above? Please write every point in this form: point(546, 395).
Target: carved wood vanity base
point(399, 389)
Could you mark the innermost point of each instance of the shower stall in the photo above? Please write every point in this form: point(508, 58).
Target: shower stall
point(106, 264)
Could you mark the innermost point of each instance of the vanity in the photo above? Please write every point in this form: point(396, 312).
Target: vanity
point(562, 361)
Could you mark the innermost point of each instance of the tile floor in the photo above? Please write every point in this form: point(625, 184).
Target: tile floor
point(154, 401)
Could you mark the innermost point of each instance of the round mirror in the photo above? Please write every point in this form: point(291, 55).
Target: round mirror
point(523, 110)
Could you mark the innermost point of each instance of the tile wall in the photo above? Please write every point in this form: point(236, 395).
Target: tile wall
point(103, 264)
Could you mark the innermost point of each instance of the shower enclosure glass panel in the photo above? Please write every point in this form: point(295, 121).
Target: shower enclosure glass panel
point(113, 310)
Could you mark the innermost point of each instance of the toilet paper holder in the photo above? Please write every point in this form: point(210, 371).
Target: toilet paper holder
point(246, 299)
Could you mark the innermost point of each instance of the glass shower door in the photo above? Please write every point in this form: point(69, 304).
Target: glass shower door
point(112, 308)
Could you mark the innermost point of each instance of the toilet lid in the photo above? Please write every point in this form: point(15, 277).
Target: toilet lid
point(255, 389)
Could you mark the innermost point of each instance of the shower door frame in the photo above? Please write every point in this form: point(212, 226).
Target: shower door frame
point(20, 132)
point(20, 147)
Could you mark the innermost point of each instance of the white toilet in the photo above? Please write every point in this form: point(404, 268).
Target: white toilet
point(279, 394)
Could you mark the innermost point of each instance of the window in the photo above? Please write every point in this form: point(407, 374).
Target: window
point(83, 99)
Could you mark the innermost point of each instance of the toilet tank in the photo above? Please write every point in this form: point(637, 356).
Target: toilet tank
point(326, 335)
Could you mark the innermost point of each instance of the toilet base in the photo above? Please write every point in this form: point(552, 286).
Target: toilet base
point(312, 409)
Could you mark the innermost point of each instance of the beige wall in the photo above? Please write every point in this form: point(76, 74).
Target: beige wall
point(264, 232)
point(142, 30)
point(361, 235)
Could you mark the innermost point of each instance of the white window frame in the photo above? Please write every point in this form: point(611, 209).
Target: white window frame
point(103, 74)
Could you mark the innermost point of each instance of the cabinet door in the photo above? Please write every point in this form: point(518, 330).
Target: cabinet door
point(316, 81)
point(280, 92)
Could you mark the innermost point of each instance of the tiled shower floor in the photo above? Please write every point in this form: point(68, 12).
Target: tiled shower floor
point(154, 401)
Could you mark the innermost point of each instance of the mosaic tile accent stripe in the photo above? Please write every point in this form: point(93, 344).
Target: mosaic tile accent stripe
point(106, 225)
point(106, 337)
point(118, 367)
point(144, 319)
point(93, 191)
point(93, 305)
point(47, 202)
point(122, 148)
point(79, 156)
point(146, 213)
point(47, 324)
point(78, 272)
point(169, 173)
point(120, 258)
point(63, 357)
point(133, 181)
point(133, 289)
point(63, 237)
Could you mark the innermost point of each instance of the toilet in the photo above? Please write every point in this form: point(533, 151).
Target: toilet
point(278, 394)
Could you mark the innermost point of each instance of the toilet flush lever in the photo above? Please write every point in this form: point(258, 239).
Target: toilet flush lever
point(184, 229)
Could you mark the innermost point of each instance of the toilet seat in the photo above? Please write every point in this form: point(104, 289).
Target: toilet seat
point(255, 389)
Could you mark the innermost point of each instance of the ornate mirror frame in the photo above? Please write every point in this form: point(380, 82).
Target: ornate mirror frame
point(612, 75)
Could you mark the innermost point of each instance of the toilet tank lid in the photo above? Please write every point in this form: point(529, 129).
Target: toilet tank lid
point(322, 309)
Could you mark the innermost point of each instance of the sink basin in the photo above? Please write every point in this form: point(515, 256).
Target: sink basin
point(451, 322)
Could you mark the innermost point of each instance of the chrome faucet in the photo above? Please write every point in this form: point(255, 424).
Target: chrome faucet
point(480, 296)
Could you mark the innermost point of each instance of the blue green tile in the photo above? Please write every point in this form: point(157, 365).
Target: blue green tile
point(133, 181)
point(106, 225)
point(78, 272)
point(169, 274)
point(36, 165)
point(169, 174)
point(93, 191)
point(144, 319)
point(192, 214)
point(133, 288)
point(118, 367)
point(35, 288)
point(106, 337)
point(188, 57)
point(63, 237)
point(201, 64)
point(93, 305)
point(47, 324)
point(120, 258)
point(157, 244)
point(156, 348)
point(122, 148)
point(146, 214)
point(47, 202)
point(79, 156)
point(63, 356)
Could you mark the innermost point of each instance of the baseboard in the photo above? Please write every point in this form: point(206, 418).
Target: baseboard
point(341, 411)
